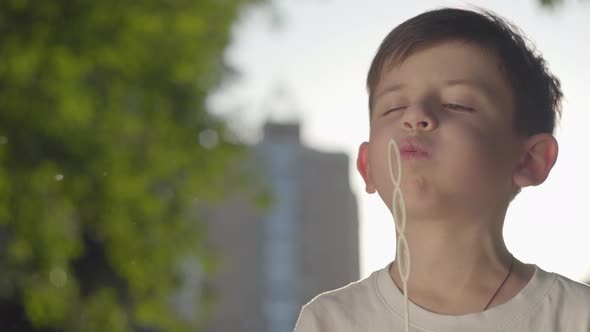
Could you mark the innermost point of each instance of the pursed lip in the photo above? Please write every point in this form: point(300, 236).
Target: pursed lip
point(413, 149)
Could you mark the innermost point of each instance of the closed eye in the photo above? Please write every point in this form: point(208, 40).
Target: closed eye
point(457, 107)
point(393, 110)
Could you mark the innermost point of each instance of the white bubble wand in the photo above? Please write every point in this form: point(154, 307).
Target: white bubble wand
point(399, 217)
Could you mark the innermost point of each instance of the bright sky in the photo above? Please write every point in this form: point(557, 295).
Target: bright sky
point(317, 59)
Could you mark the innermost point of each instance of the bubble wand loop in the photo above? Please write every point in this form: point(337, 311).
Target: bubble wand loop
point(399, 218)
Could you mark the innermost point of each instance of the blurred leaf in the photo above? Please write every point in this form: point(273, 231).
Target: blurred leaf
point(102, 158)
point(550, 3)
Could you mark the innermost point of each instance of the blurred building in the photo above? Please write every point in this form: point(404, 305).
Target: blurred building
point(275, 261)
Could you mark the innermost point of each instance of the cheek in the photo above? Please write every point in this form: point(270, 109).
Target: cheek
point(483, 155)
point(377, 158)
point(379, 144)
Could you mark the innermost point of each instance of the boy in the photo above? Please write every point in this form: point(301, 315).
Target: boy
point(473, 110)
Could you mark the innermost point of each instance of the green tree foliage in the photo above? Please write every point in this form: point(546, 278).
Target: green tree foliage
point(105, 145)
point(556, 3)
point(550, 3)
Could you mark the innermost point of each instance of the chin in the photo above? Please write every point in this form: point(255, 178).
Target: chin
point(422, 207)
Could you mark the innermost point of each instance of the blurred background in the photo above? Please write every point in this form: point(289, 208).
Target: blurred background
point(182, 165)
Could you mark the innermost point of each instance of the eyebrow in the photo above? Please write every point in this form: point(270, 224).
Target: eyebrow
point(467, 82)
point(389, 89)
point(482, 86)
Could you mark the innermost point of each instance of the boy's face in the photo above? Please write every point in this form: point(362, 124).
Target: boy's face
point(452, 101)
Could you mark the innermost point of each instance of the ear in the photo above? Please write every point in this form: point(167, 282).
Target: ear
point(540, 154)
point(362, 165)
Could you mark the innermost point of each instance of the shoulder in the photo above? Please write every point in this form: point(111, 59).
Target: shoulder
point(336, 310)
point(345, 297)
point(571, 291)
point(345, 300)
point(565, 304)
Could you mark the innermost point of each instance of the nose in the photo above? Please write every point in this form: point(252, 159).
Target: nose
point(419, 118)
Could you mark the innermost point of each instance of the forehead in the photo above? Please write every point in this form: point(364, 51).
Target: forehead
point(442, 62)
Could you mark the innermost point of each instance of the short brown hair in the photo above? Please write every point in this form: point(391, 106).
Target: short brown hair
point(537, 92)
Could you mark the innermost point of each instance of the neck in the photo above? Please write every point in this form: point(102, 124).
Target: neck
point(455, 266)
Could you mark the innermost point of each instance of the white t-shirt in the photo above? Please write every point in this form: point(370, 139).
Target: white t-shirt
point(549, 302)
